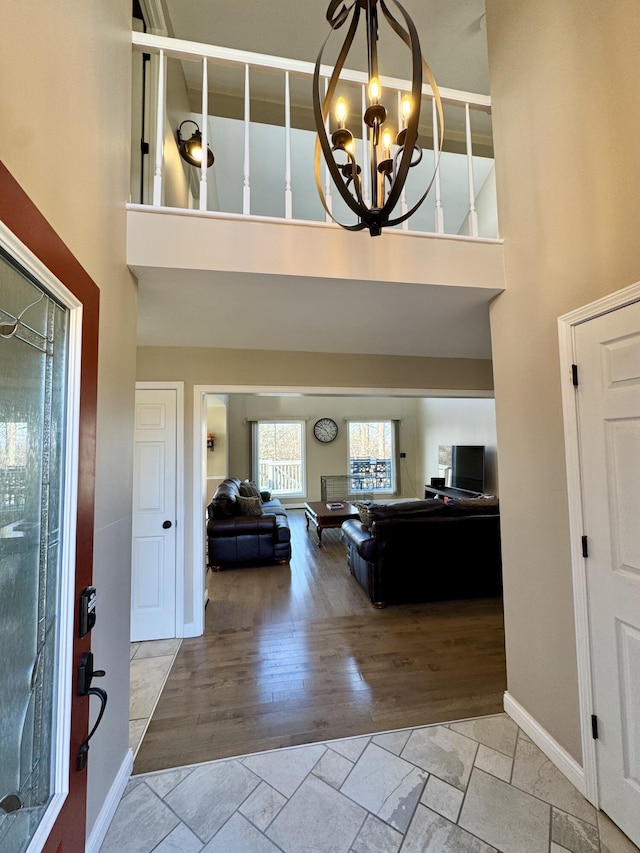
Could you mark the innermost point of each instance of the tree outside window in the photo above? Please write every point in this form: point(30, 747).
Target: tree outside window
point(279, 454)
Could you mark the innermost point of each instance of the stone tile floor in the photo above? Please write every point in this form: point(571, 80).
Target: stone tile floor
point(150, 663)
point(476, 785)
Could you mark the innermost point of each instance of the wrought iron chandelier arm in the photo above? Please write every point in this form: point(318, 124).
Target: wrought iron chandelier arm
point(337, 20)
point(409, 213)
point(438, 101)
point(357, 183)
point(410, 38)
point(402, 33)
point(321, 111)
point(358, 226)
point(398, 220)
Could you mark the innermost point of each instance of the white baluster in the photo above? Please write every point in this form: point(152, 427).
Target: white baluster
point(473, 216)
point(327, 174)
point(246, 186)
point(157, 173)
point(403, 195)
point(288, 198)
point(205, 135)
point(436, 162)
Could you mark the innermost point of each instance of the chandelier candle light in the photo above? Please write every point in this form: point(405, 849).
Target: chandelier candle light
point(390, 158)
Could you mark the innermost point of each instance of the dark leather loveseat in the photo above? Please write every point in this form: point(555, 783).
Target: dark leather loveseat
point(428, 550)
point(237, 539)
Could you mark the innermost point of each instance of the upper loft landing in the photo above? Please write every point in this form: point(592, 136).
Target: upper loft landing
point(254, 111)
point(255, 213)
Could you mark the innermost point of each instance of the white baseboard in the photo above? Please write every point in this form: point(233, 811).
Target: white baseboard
point(557, 754)
point(103, 821)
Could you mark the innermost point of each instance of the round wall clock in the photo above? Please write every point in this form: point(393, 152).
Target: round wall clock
point(325, 430)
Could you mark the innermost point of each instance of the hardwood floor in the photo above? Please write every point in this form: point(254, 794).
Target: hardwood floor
point(297, 654)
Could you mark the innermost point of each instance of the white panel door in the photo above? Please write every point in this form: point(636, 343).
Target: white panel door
point(153, 571)
point(608, 358)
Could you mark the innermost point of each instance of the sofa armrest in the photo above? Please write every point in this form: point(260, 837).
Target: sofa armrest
point(282, 531)
point(355, 531)
point(360, 537)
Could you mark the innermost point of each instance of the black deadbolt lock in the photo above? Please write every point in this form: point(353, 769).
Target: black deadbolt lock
point(87, 610)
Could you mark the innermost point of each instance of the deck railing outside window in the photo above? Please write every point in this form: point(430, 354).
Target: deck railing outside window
point(281, 477)
point(254, 111)
point(371, 475)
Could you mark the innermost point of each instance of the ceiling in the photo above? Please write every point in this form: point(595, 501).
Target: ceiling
point(309, 314)
point(452, 33)
point(196, 308)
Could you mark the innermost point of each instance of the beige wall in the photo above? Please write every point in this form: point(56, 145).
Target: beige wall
point(201, 366)
point(457, 421)
point(323, 459)
point(217, 459)
point(566, 120)
point(64, 135)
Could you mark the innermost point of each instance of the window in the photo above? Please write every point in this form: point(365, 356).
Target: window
point(372, 455)
point(278, 457)
point(13, 466)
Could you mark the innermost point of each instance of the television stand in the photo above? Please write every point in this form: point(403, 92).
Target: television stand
point(448, 492)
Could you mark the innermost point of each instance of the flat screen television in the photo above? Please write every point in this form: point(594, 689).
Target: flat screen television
point(462, 466)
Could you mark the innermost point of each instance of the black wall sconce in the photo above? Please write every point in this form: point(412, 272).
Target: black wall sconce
point(191, 149)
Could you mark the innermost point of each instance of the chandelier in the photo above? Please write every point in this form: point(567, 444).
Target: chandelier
point(386, 156)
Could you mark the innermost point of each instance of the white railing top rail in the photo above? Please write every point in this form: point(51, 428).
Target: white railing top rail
point(183, 49)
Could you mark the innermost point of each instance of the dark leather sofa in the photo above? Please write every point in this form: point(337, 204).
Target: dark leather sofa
point(428, 550)
point(235, 539)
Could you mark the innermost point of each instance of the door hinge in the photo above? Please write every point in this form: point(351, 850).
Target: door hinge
point(585, 547)
point(574, 374)
point(594, 727)
point(144, 146)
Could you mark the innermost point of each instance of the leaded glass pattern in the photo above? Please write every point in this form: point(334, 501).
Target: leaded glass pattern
point(33, 366)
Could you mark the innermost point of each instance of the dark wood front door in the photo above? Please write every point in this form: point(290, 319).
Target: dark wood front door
point(22, 219)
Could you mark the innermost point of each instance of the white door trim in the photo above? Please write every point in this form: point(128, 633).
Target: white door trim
point(178, 387)
point(566, 329)
point(198, 498)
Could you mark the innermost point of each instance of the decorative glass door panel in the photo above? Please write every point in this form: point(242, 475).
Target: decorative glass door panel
point(33, 406)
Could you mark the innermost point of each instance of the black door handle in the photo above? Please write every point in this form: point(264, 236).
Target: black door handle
point(166, 524)
point(86, 673)
point(83, 751)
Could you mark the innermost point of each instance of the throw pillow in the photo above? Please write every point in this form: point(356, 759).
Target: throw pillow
point(406, 509)
point(250, 505)
point(266, 496)
point(364, 511)
point(249, 489)
point(475, 506)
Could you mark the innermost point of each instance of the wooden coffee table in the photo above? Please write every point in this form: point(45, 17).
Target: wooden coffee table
point(319, 514)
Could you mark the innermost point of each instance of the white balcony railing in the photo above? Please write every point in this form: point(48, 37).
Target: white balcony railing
point(255, 113)
point(282, 478)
